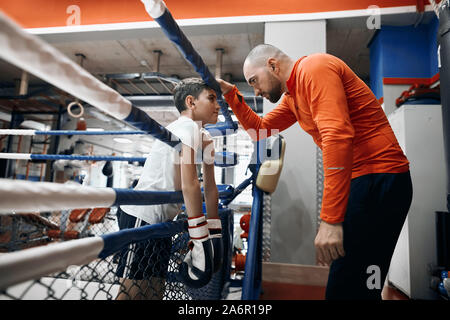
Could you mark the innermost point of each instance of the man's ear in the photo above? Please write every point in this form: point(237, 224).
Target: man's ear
point(272, 64)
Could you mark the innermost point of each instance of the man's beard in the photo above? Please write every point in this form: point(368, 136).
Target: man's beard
point(275, 93)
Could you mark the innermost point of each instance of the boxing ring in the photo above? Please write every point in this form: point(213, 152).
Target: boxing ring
point(52, 262)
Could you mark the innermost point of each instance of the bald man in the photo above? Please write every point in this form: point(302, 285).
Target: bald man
point(367, 184)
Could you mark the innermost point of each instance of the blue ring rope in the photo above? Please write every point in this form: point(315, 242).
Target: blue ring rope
point(141, 120)
point(174, 33)
point(222, 159)
point(115, 241)
point(86, 133)
point(145, 198)
point(138, 197)
point(87, 158)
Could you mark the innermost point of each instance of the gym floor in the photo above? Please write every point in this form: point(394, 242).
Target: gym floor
point(288, 291)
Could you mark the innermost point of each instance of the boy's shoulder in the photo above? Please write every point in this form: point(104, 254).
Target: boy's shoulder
point(184, 124)
point(187, 130)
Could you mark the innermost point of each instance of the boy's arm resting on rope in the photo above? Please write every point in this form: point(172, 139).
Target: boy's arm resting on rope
point(211, 201)
point(209, 181)
point(197, 266)
point(190, 185)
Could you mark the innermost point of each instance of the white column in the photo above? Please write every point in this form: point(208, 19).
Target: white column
point(415, 127)
point(294, 201)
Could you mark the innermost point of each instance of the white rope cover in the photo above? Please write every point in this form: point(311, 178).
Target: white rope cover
point(33, 263)
point(37, 57)
point(27, 196)
point(17, 132)
point(155, 8)
point(17, 156)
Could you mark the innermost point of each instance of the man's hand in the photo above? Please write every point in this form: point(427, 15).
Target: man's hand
point(225, 87)
point(329, 243)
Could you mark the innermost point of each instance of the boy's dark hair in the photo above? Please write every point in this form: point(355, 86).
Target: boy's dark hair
point(188, 87)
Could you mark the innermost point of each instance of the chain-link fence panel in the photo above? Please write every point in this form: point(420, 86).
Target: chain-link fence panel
point(141, 270)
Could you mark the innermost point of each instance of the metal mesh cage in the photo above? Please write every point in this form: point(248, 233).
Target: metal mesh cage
point(150, 274)
point(267, 219)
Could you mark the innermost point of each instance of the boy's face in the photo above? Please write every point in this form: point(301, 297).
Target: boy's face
point(206, 107)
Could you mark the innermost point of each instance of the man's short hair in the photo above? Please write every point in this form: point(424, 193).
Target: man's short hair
point(188, 87)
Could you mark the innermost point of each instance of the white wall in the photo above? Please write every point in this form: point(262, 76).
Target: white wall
point(294, 213)
point(390, 93)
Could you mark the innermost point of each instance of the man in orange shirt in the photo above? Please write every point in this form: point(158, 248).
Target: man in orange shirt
point(367, 185)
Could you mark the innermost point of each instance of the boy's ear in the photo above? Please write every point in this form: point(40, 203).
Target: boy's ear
point(189, 102)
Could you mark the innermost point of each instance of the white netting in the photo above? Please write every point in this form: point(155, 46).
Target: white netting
point(150, 274)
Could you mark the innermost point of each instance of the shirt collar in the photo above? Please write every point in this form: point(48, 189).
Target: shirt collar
point(290, 83)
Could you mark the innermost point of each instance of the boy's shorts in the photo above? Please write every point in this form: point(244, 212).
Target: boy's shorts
point(144, 259)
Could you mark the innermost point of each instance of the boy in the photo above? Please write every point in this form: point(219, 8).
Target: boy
point(170, 169)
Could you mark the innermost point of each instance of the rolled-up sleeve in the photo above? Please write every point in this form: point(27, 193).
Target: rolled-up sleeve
point(278, 119)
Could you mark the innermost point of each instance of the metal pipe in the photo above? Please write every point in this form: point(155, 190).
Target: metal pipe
point(219, 59)
point(19, 145)
point(28, 162)
point(42, 164)
point(15, 122)
point(54, 145)
point(23, 87)
point(156, 59)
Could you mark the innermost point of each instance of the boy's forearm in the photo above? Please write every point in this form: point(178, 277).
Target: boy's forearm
point(211, 202)
point(194, 204)
point(193, 199)
point(210, 191)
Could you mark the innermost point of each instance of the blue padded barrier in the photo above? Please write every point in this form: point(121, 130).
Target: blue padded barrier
point(136, 197)
point(226, 159)
point(251, 286)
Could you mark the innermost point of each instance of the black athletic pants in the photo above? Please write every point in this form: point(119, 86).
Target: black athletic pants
point(377, 208)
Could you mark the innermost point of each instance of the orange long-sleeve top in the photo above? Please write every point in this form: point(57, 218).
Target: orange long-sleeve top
point(344, 119)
